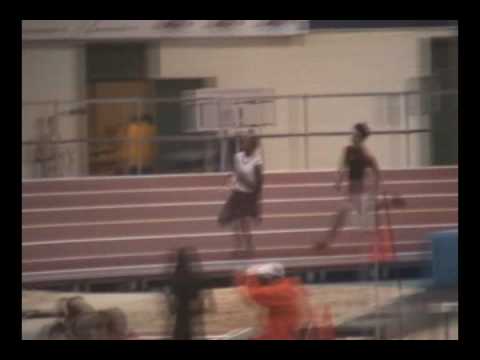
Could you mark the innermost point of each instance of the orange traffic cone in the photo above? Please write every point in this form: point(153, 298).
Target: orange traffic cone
point(383, 250)
point(383, 242)
point(386, 244)
point(326, 329)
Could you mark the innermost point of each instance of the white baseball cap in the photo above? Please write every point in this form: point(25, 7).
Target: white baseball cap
point(271, 269)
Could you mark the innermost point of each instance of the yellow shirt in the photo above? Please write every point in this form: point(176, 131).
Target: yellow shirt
point(136, 152)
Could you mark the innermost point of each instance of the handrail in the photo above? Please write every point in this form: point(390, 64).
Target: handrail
point(196, 138)
point(263, 97)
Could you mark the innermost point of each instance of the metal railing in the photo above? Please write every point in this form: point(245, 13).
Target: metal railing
point(300, 118)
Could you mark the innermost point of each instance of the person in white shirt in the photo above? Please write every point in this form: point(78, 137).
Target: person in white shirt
point(243, 204)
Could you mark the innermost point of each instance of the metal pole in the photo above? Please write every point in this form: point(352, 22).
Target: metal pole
point(158, 146)
point(196, 138)
point(199, 119)
point(291, 141)
point(404, 99)
point(447, 330)
point(377, 313)
point(305, 131)
point(401, 307)
point(223, 139)
point(207, 144)
point(274, 111)
point(265, 98)
point(137, 145)
point(376, 252)
point(237, 140)
point(55, 133)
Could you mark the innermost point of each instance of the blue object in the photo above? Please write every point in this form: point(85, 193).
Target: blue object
point(445, 258)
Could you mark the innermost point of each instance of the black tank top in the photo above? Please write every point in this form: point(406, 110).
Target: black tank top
point(357, 162)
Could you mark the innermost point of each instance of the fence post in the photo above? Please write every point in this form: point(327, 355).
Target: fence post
point(200, 125)
point(404, 105)
point(139, 144)
point(56, 136)
point(223, 138)
point(401, 307)
point(305, 131)
point(377, 302)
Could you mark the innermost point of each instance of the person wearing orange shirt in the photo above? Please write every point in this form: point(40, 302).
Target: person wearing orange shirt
point(282, 298)
point(138, 151)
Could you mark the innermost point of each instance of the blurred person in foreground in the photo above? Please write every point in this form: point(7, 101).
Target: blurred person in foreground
point(357, 161)
point(282, 299)
point(185, 298)
point(243, 204)
point(75, 319)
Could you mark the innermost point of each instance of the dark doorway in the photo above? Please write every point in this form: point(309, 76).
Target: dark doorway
point(179, 156)
point(114, 70)
point(444, 63)
point(169, 114)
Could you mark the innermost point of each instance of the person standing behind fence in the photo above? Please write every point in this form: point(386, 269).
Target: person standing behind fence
point(139, 150)
point(75, 319)
point(243, 204)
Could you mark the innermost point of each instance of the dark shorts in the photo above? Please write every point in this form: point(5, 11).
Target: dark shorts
point(239, 205)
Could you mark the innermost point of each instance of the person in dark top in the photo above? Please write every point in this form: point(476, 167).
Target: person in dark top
point(185, 300)
point(357, 163)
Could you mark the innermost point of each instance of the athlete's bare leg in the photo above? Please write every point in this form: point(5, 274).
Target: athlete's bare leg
point(394, 202)
point(237, 237)
point(354, 203)
point(338, 223)
point(247, 235)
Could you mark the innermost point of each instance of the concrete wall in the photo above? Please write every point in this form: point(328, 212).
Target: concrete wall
point(321, 62)
point(53, 73)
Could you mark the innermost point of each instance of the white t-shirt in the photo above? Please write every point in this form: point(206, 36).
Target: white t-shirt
point(245, 165)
